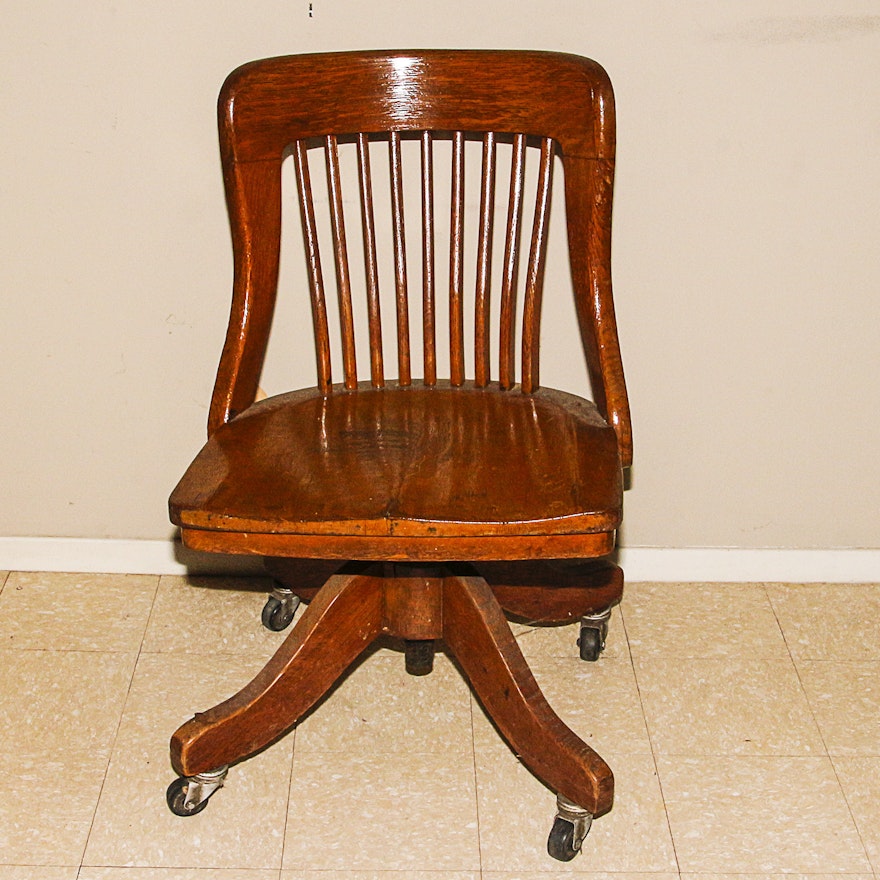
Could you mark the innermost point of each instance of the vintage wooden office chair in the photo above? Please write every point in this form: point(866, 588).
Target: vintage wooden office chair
point(428, 506)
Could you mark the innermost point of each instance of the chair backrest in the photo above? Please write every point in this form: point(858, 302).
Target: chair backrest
point(547, 103)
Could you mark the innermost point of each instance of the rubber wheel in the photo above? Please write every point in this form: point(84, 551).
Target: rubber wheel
point(590, 643)
point(176, 799)
point(560, 842)
point(277, 615)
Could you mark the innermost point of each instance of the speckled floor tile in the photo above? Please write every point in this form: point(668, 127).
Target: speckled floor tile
point(845, 698)
point(726, 706)
point(829, 621)
point(426, 787)
point(383, 811)
point(860, 778)
point(759, 815)
point(32, 872)
point(516, 813)
point(75, 612)
point(47, 801)
point(756, 876)
point(701, 620)
point(242, 827)
point(539, 642)
point(175, 874)
point(379, 707)
point(598, 701)
point(380, 875)
point(62, 700)
point(211, 615)
point(583, 875)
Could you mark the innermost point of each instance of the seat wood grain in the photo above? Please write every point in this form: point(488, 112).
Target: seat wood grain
point(408, 461)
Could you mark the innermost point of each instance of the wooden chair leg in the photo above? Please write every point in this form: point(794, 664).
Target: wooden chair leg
point(475, 630)
point(344, 618)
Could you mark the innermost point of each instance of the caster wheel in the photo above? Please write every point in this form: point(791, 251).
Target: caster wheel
point(277, 615)
point(176, 799)
point(561, 843)
point(590, 643)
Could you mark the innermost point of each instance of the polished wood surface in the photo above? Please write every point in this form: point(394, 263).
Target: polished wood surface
point(403, 548)
point(268, 104)
point(565, 101)
point(535, 590)
point(478, 635)
point(396, 500)
point(553, 591)
point(407, 462)
point(342, 620)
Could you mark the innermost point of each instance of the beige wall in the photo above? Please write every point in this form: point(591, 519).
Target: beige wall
point(747, 263)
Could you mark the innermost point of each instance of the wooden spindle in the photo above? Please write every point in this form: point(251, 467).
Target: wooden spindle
point(371, 264)
point(507, 358)
point(535, 274)
point(456, 264)
point(403, 356)
point(313, 257)
point(482, 301)
point(340, 254)
point(428, 317)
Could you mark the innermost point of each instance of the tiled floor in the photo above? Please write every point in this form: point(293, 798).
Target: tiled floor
point(742, 723)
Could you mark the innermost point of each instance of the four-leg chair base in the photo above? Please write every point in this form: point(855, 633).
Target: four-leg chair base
point(418, 605)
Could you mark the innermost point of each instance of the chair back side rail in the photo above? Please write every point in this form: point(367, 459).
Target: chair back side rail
point(588, 193)
point(254, 206)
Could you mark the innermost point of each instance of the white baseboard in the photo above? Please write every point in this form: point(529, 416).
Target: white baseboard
point(639, 563)
point(114, 556)
point(715, 564)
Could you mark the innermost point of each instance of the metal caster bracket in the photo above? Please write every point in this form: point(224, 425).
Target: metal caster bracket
point(578, 816)
point(202, 786)
point(570, 827)
point(284, 594)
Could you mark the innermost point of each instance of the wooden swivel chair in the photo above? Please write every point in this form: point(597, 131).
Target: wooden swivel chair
point(429, 506)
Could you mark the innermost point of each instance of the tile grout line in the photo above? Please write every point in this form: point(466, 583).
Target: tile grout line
point(828, 754)
point(294, 732)
point(476, 786)
point(650, 740)
point(287, 802)
point(851, 814)
point(112, 746)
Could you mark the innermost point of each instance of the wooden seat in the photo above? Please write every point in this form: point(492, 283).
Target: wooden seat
point(420, 508)
point(388, 462)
